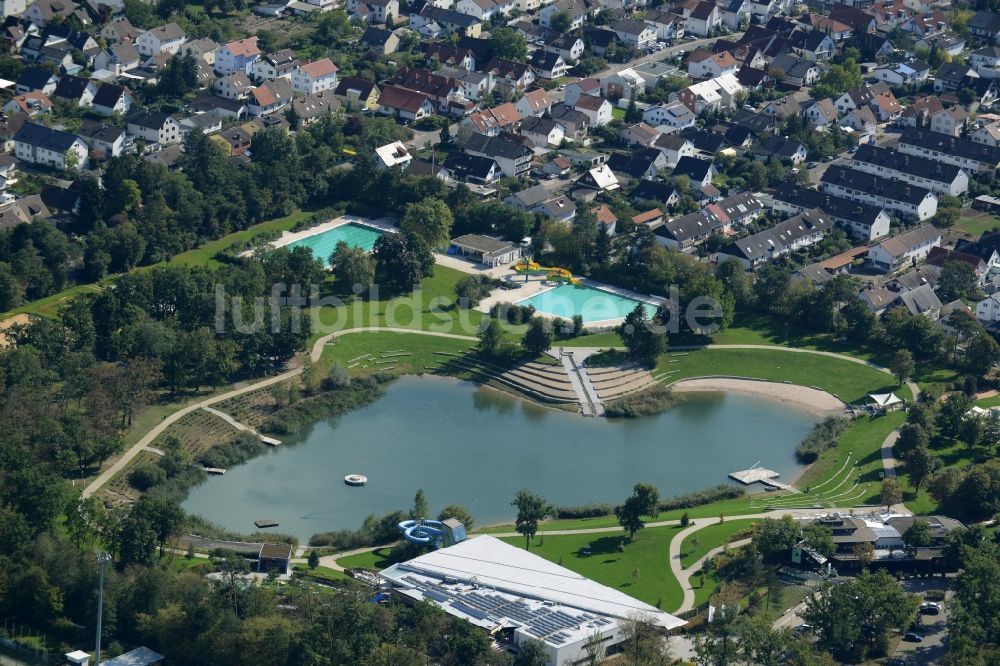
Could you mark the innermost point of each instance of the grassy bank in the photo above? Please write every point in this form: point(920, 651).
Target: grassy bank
point(696, 546)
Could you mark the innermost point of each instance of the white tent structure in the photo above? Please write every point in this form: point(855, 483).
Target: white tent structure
point(885, 400)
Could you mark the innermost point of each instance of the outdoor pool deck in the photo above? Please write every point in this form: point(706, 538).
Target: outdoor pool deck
point(323, 238)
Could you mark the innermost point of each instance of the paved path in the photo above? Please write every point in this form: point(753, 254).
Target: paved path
point(576, 380)
point(317, 351)
point(239, 426)
point(888, 462)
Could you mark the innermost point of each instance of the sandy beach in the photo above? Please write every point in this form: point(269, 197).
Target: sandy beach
point(814, 400)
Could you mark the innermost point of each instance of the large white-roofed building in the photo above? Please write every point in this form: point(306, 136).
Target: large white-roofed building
point(513, 593)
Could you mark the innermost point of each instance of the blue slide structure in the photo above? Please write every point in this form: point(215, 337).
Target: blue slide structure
point(423, 532)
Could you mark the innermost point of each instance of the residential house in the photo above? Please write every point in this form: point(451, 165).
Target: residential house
point(600, 178)
point(951, 76)
point(711, 95)
point(357, 94)
point(33, 104)
point(314, 77)
point(575, 9)
point(969, 155)
point(904, 250)
point(700, 172)
point(701, 18)
point(579, 87)
point(43, 12)
point(510, 75)
point(894, 196)
point(203, 48)
point(795, 70)
point(623, 84)
point(162, 39)
point(674, 116)
point(838, 32)
point(576, 123)
point(988, 309)
point(514, 159)
point(658, 192)
point(433, 21)
point(812, 45)
point(822, 113)
point(153, 127)
point(393, 155)
point(780, 148)
point(798, 232)
point(854, 99)
point(37, 144)
point(106, 141)
point(687, 232)
point(449, 56)
point(76, 90)
point(310, 108)
point(950, 121)
point(864, 222)
point(493, 120)
point(118, 58)
point(269, 97)
point(986, 61)
point(862, 121)
point(120, 31)
point(635, 33)
point(984, 26)
point(704, 64)
point(940, 178)
point(638, 134)
point(35, 79)
point(783, 108)
point(542, 132)
point(597, 109)
point(111, 99)
point(278, 65)
point(600, 40)
point(735, 14)
point(483, 9)
point(548, 65)
point(638, 164)
point(885, 106)
point(988, 134)
point(534, 103)
point(234, 141)
point(233, 86)
point(950, 44)
point(570, 47)
point(674, 147)
point(373, 11)
point(442, 90)
point(473, 169)
point(919, 112)
point(907, 73)
point(240, 55)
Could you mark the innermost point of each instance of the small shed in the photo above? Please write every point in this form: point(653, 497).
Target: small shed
point(141, 656)
point(275, 557)
point(486, 250)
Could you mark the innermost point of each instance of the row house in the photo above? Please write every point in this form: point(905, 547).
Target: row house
point(969, 155)
point(892, 195)
point(905, 250)
point(37, 144)
point(938, 177)
point(795, 233)
point(863, 222)
point(433, 22)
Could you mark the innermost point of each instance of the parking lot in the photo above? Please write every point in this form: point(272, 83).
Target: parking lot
point(932, 628)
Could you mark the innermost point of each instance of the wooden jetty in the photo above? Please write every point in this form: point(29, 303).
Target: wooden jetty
point(214, 470)
point(761, 475)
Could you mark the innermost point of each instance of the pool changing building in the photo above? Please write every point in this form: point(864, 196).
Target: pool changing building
point(514, 594)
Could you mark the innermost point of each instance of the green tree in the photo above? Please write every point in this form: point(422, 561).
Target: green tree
point(490, 337)
point(819, 538)
point(902, 365)
point(531, 510)
point(892, 492)
point(508, 44)
point(951, 413)
point(420, 509)
point(560, 22)
point(971, 430)
point(957, 280)
point(429, 219)
point(643, 341)
point(918, 535)
point(538, 338)
point(353, 267)
point(853, 620)
point(911, 437)
point(991, 430)
point(644, 501)
point(775, 537)
point(396, 262)
point(459, 513)
point(313, 561)
point(918, 466)
point(531, 653)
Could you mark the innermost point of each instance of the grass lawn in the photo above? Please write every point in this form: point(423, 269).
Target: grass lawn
point(851, 382)
point(617, 113)
point(325, 573)
point(204, 255)
point(955, 454)
point(606, 339)
point(711, 537)
point(421, 347)
point(989, 402)
point(432, 308)
point(647, 556)
point(373, 559)
point(863, 441)
point(977, 222)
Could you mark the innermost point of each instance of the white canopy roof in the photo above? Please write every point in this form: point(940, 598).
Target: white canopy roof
point(885, 399)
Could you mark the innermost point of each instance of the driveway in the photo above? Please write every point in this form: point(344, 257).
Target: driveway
point(934, 628)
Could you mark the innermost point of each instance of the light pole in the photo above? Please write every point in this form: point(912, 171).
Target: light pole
point(102, 559)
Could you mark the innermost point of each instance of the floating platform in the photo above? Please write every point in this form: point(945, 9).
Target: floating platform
point(270, 441)
point(761, 475)
point(214, 470)
point(266, 522)
point(355, 479)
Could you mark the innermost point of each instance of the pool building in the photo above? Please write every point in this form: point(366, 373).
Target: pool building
point(516, 596)
point(485, 250)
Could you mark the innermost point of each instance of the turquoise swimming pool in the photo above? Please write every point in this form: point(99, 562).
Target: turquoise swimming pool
point(592, 304)
point(323, 244)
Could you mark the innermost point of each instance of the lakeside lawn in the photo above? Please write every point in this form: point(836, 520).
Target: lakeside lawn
point(373, 559)
point(712, 537)
point(647, 555)
point(849, 381)
point(422, 349)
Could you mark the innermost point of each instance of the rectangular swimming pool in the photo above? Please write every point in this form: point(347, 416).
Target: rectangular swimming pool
point(323, 244)
point(591, 303)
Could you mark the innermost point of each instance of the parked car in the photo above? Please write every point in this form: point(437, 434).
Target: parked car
point(930, 608)
point(913, 637)
point(812, 165)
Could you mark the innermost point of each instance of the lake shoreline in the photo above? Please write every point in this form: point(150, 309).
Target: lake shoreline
point(815, 401)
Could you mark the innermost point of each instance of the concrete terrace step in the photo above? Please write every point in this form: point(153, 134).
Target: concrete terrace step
point(625, 389)
point(621, 381)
